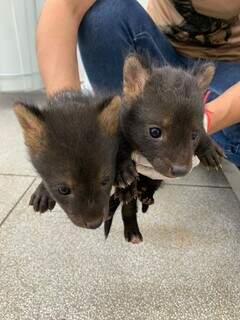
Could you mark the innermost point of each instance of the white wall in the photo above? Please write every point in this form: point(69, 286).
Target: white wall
point(18, 64)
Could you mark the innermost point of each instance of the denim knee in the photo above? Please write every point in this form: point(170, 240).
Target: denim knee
point(106, 36)
point(107, 19)
point(229, 144)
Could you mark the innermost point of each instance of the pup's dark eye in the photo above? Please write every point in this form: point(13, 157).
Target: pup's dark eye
point(155, 132)
point(105, 181)
point(64, 190)
point(194, 135)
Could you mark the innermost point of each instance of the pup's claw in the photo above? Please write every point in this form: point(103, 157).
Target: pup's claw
point(209, 153)
point(219, 150)
point(43, 204)
point(211, 159)
point(51, 204)
point(145, 208)
point(31, 200)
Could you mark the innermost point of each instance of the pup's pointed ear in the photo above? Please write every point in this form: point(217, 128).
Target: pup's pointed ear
point(135, 76)
point(109, 117)
point(32, 123)
point(204, 75)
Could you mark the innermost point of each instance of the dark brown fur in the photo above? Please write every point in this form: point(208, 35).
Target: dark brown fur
point(171, 100)
point(78, 152)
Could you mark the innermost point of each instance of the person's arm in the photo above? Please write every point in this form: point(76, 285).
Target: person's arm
point(225, 110)
point(57, 43)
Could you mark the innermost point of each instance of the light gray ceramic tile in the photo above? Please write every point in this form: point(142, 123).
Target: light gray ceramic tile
point(11, 190)
point(202, 177)
point(13, 155)
point(232, 174)
point(187, 267)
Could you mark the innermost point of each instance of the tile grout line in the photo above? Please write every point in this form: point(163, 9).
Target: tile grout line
point(18, 175)
point(35, 178)
point(166, 183)
point(11, 210)
point(232, 174)
point(197, 185)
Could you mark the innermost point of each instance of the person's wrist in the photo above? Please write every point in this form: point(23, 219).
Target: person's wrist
point(207, 119)
point(207, 113)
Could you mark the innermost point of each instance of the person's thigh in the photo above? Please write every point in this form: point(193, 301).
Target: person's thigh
point(109, 31)
point(226, 75)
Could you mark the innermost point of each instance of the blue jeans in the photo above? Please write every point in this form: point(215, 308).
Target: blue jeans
point(113, 28)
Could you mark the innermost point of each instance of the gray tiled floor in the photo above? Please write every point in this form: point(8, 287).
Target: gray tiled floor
point(11, 143)
point(187, 267)
point(11, 189)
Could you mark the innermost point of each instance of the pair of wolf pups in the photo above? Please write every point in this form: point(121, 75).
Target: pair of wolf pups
point(82, 145)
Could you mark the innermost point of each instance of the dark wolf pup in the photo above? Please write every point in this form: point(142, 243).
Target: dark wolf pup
point(73, 142)
point(161, 117)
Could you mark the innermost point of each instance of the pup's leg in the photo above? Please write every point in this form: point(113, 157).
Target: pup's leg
point(120, 195)
point(209, 153)
point(129, 216)
point(146, 188)
point(126, 172)
point(113, 205)
point(41, 199)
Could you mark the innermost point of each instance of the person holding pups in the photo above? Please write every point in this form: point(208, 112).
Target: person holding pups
point(176, 32)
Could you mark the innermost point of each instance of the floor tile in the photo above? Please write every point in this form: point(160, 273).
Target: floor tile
point(232, 174)
point(11, 190)
point(11, 143)
point(202, 177)
point(187, 267)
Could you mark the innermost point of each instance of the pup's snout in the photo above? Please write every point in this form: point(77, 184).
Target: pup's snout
point(94, 224)
point(178, 170)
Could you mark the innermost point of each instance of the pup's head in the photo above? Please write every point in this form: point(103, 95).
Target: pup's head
point(73, 143)
point(162, 112)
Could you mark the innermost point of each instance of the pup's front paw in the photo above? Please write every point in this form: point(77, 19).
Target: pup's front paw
point(211, 157)
point(126, 174)
point(41, 199)
point(132, 232)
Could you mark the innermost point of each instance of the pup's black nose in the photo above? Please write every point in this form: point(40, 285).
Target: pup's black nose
point(179, 171)
point(95, 224)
